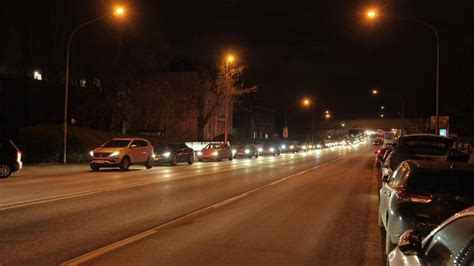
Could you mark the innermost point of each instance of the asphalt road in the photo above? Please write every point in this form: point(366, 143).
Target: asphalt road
point(309, 208)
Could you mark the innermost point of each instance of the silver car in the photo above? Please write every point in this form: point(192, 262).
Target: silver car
point(420, 195)
point(451, 243)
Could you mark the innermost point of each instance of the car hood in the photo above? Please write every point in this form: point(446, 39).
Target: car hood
point(110, 150)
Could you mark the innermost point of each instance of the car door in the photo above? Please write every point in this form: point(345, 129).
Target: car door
point(183, 152)
point(135, 152)
point(145, 150)
point(388, 190)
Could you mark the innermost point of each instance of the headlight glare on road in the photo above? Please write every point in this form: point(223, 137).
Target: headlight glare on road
point(272, 149)
point(91, 153)
point(167, 154)
point(247, 151)
point(115, 153)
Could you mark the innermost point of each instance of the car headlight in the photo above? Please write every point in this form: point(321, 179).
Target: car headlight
point(199, 153)
point(304, 147)
point(292, 147)
point(283, 147)
point(115, 153)
point(247, 151)
point(167, 154)
point(215, 153)
point(153, 156)
point(234, 151)
point(91, 153)
point(260, 149)
point(272, 149)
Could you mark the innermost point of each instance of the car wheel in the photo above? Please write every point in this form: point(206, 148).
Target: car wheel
point(389, 246)
point(256, 155)
point(149, 162)
point(94, 167)
point(174, 160)
point(125, 164)
point(5, 170)
point(200, 160)
point(191, 159)
point(230, 158)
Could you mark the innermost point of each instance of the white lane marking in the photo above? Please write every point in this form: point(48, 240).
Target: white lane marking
point(129, 240)
point(19, 204)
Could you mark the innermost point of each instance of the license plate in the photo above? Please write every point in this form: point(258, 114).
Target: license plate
point(99, 161)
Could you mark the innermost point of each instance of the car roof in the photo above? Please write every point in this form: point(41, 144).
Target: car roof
point(467, 212)
point(434, 165)
point(129, 139)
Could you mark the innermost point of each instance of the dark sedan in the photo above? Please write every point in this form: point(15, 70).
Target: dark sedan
point(422, 194)
point(270, 149)
point(245, 151)
point(10, 158)
point(173, 153)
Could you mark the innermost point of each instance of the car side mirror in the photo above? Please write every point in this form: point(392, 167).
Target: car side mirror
point(410, 243)
point(133, 146)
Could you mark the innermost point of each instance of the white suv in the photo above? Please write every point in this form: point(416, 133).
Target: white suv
point(122, 152)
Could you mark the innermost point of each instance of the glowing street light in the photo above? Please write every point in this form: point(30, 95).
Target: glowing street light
point(307, 103)
point(381, 115)
point(228, 60)
point(372, 14)
point(117, 11)
point(375, 91)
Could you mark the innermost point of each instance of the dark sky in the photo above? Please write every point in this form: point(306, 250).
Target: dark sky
point(328, 50)
point(325, 49)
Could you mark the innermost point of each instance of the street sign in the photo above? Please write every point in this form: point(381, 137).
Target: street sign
point(285, 132)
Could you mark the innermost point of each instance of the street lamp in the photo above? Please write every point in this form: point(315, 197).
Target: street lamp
point(372, 14)
point(118, 11)
point(308, 103)
point(228, 60)
point(375, 92)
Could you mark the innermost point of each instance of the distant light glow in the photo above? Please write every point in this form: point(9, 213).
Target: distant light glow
point(119, 11)
point(37, 75)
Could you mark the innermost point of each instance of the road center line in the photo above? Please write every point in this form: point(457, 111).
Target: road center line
point(126, 241)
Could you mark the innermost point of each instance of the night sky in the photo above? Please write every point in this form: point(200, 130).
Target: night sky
point(328, 50)
point(291, 49)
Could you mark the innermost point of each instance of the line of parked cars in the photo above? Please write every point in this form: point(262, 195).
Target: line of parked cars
point(426, 202)
point(124, 152)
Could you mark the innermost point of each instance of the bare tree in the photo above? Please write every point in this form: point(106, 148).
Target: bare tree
point(212, 91)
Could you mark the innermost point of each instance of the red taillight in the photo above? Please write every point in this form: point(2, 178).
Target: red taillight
point(406, 197)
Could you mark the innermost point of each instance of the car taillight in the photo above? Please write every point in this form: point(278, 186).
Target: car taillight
point(403, 196)
point(18, 156)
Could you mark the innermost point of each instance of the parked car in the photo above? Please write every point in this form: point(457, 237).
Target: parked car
point(290, 147)
point(421, 194)
point(122, 152)
point(10, 158)
point(215, 152)
point(424, 147)
point(173, 153)
point(245, 150)
point(451, 243)
point(270, 149)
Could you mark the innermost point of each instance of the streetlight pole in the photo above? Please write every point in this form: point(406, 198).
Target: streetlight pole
point(66, 82)
point(372, 14)
point(436, 34)
point(119, 11)
point(229, 59)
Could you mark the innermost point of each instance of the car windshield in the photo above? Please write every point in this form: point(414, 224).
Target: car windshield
point(165, 147)
point(426, 145)
point(442, 182)
point(213, 146)
point(116, 143)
